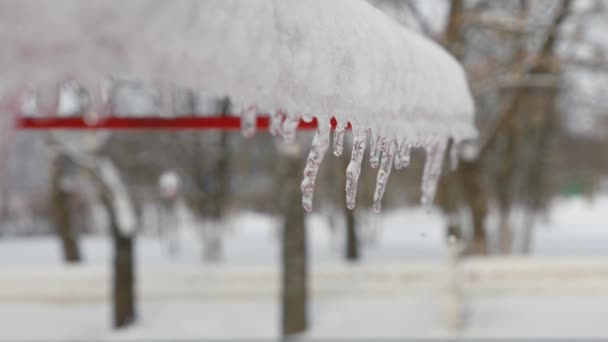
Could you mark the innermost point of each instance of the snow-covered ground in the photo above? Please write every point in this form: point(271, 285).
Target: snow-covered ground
point(251, 239)
point(395, 317)
point(397, 291)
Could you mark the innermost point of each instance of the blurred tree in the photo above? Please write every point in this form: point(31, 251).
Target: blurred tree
point(60, 203)
point(203, 159)
point(123, 284)
point(294, 279)
point(117, 201)
point(496, 173)
point(352, 240)
point(530, 64)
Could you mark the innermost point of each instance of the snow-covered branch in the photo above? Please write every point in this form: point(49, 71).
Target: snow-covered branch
point(111, 185)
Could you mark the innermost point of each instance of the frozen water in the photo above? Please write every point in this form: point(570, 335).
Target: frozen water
point(353, 170)
point(341, 58)
point(375, 149)
point(435, 151)
point(402, 158)
point(388, 154)
point(339, 139)
point(320, 144)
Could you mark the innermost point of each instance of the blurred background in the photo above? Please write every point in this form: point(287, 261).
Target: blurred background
point(515, 246)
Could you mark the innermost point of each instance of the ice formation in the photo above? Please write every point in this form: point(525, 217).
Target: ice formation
point(295, 59)
point(353, 170)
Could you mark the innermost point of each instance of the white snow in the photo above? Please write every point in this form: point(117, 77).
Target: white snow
point(169, 184)
point(343, 59)
point(119, 196)
point(371, 318)
point(397, 292)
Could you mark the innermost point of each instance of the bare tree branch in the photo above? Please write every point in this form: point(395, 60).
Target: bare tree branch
point(535, 66)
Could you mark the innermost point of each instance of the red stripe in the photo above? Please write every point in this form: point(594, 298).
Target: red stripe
point(225, 123)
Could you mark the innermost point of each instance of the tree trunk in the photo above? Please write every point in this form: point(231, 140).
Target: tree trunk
point(294, 255)
point(168, 225)
point(123, 282)
point(217, 200)
point(528, 233)
point(61, 213)
point(352, 241)
point(212, 242)
point(478, 204)
point(505, 233)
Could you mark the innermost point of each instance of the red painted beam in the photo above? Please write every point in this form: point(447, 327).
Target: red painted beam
point(226, 123)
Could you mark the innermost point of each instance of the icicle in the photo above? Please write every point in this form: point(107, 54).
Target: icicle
point(402, 157)
point(386, 165)
point(375, 148)
point(320, 144)
point(454, 154)
point(276, 120)
point(339, 139)
point(288, 130)
point(432, 169)
point(249, 121)
point(354, 167)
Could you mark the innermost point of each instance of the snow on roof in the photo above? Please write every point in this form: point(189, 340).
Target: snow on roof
point(341, 58)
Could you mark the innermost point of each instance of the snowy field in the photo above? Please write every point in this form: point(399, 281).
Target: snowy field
point(399, 290)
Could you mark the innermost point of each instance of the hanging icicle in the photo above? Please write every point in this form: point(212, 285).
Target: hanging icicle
point(386, 165)
point(353, 170)
point(432, 169)
point(339, 139)
point(384, 79)
point(375, 148)
point(402, 157)
point(320, 144)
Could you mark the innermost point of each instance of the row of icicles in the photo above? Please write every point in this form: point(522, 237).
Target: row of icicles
point(385, 152)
